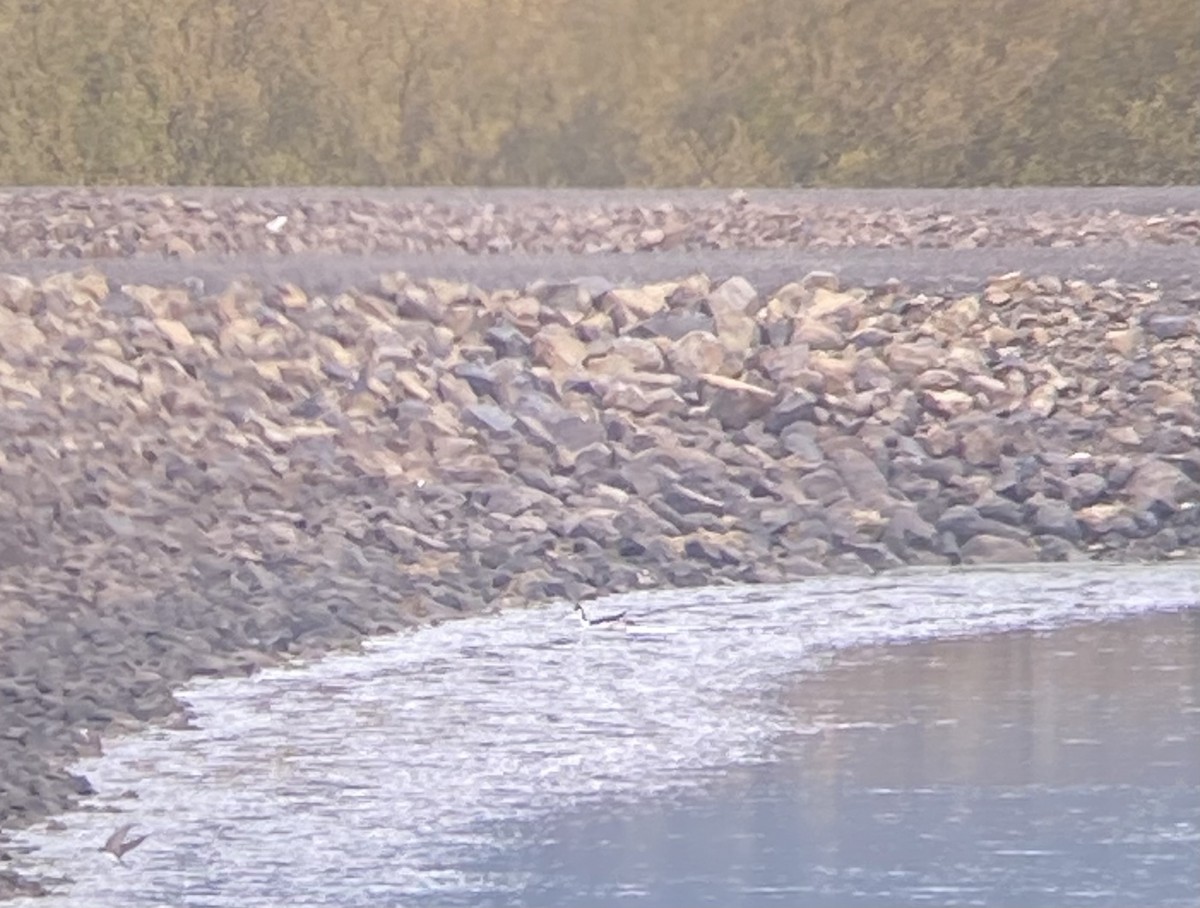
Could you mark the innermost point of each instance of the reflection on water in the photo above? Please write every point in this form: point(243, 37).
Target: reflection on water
point(1029, 768)
point(522, 759)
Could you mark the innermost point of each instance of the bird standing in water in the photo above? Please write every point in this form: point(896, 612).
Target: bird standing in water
point(616, 620)
point(118, 845)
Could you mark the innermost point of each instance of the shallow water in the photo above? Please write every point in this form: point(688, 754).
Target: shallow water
point(1025, 768)
point(814, 743)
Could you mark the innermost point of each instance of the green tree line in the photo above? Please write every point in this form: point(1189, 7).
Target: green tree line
point(600, 92)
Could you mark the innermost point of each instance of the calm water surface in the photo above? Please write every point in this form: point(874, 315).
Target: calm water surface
point(982, 737)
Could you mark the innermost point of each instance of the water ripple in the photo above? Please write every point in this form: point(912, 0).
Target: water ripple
point(380, 776)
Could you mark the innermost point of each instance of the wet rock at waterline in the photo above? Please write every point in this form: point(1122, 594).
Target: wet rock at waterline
point(198, 484)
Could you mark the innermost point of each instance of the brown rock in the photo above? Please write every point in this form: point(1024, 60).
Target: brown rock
point(842, 311)
point(983, 446)
point(175, 332)
point(1169, 400)
point(937, 380)
point(1160, 488)
point(82, 289)
point(1043, 400)
point(697, 353)
point(837, 372)
point(557, 348)
point(715, 549)
point(938, 440)
point(948, 404)
point(596, 326)
point(627, 306)
point(626, 356)
point(817, 335)
point(821, 279)
point(957, 319)
point(16, 293)
point(119, 371)
point(911, 359)
point(645, 355)
point(1126, 341)
point(19, 334)
point(179, 247)
point(1103, 519)
point(636, 399)
point(1125, 435)
point(986, 549)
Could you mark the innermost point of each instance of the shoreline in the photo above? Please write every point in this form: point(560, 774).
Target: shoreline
point(200, 480)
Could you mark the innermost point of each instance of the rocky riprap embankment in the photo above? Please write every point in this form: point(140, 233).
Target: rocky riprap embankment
point(196, 485)
point(75, 223)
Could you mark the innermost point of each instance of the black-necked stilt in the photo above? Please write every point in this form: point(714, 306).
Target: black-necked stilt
point(118, 845)
point(617, 620)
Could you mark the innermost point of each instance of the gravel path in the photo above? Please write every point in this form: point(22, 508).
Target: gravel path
point(327, 239)
point(1132, 199)
point(1176, 268)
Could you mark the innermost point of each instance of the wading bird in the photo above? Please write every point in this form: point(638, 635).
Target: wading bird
point(117, 844)
point(617, 620)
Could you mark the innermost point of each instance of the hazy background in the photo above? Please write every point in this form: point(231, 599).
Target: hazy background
point(601, 92)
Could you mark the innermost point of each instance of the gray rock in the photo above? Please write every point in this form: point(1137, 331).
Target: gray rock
point(597, 524)
point(575, 296)
point(686, 501)
point(1084, 489)
point(907, 532)
point(794, 405)
point(863, 480)
point(1054, 518)
point(733, 403)
point(712, 550)
point(965, 523)
point(489, 418)
point(823, 484)
point(997, 507)
point(1169, 326)
point(798, 439)
point(673, 325)
point(507, 341)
